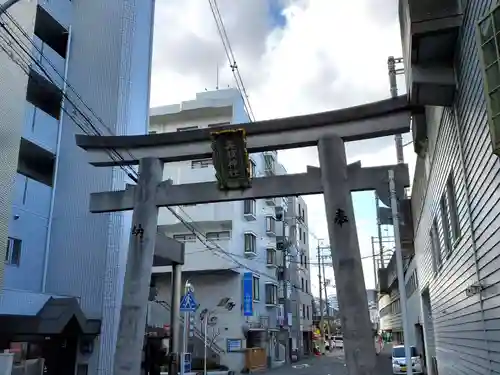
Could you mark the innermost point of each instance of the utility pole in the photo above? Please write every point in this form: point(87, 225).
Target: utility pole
point(286, 285)
point(321, 307)
point(374, 259)
point(325, 285)
point(398, 138)
point(400, 271)
point(379, 231)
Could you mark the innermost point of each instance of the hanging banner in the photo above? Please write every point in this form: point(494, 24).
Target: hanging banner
point(248, 294)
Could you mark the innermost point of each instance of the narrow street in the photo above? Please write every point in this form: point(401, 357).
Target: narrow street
point(330, 364)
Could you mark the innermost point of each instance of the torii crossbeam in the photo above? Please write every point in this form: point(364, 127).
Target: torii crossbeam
point(335, 179)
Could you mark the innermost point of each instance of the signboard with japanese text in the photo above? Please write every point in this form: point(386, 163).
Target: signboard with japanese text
point(230, 159)
point(248, 294)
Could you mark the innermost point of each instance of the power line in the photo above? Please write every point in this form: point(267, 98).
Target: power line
point(87, 123)
point(221, 29)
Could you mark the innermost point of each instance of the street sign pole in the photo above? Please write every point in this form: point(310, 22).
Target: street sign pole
point(187, 306)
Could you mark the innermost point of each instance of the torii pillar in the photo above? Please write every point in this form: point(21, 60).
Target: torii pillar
point(346, 258)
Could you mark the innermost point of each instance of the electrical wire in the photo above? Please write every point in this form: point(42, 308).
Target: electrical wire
point(131, 173)
point(221, 29)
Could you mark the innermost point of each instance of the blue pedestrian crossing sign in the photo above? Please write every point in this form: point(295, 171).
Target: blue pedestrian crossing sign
point(188, 303)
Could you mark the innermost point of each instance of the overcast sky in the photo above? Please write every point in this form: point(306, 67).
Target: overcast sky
point(295, 57)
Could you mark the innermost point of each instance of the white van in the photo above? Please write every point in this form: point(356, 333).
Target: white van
point(399, 360)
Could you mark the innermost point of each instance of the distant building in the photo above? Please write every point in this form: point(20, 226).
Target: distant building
point(243, 239)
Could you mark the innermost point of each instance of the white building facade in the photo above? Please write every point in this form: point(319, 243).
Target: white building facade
point(231, 239)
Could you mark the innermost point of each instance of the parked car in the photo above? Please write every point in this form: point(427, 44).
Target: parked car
point(399, 360)
point(338, 342)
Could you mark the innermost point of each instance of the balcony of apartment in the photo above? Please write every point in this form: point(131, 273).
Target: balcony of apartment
point(250, 209)
point(250, 244)
point(270, 225)
point(429, 32)
point(215, 109)
point(206, 249)
point(60, 10)
point(222, 213)
point(43, 110)
point(270, 162)
point(271, 294)
point(271, 201)
point(271, 257)
point(50, 44)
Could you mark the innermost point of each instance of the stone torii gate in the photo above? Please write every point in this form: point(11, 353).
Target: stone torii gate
point(335, 179)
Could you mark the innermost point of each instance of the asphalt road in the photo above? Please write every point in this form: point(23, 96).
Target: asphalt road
point(330, 364)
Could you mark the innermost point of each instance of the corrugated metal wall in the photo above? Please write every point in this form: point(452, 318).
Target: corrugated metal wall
point(465, 328)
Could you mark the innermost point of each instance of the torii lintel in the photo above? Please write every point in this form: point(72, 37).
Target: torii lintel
point(382, 118)
point(359, 179)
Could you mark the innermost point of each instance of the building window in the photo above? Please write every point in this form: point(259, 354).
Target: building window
point(252, 168)
point(218, 236)
point(435, 246)
point(307, 286)
point(452, 206)
point(186, 128)
point(300, 234)
point(13, 251)
point(271, 256)
point(202, 163)
point(249, 207)
point(490, 58)
point(250, 243)
point(185, 237)
point(304, 236)
point(271, 294)
point(302, 284)
point(256, 288)
point(308, 312)
point(303, 312)
point(445, 222)
point(305, 261)
point(270, 224)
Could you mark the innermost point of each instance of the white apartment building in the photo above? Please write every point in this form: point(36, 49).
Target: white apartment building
point(237, 238)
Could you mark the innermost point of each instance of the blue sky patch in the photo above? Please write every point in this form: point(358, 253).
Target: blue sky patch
point(276, 9)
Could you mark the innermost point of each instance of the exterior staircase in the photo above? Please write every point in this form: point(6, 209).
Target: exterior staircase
point(214, 350)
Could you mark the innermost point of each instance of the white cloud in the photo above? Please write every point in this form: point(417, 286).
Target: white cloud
point(330, 54)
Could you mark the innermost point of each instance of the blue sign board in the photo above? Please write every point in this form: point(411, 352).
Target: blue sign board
point(187, 363)
point(188, 303)
point(248, 294)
